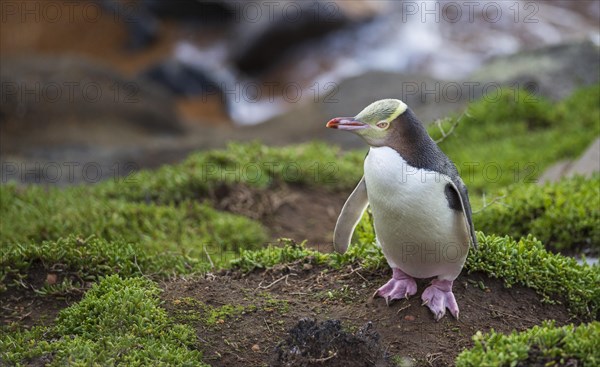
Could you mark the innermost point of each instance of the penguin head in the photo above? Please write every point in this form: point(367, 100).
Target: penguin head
point(374, 122)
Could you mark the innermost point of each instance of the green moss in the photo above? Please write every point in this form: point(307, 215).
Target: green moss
point(200, 313)
point(37, 214)
point(118, 322)
point(545, 345)
point(216, 314)
point(367, 254)
point(44, 224)
point(78, 260)
point(563, 215)
point(553, 276)
point(271, 303)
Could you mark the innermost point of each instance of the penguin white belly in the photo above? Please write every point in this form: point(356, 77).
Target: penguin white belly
point(416, 229)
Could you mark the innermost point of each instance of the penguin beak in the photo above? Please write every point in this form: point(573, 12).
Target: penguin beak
point(346, 123)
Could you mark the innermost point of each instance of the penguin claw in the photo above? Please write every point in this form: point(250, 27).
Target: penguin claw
point(439, 297)
point(397, 288)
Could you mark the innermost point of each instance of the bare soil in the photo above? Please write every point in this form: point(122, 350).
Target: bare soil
point(24, 307)
point(287, 211)
point(268, 332)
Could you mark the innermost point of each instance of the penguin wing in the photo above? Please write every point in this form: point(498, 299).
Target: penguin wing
point(458, 199)
point(350, 216)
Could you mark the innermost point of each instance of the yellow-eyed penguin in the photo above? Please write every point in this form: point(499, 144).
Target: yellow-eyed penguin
point(420, 205)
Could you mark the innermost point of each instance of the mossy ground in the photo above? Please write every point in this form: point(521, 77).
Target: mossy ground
point(176, 221)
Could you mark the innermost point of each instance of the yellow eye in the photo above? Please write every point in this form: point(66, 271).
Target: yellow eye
point(383, 124)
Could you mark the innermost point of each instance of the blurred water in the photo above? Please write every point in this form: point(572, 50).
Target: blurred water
point(444, 39)
point(449, 40)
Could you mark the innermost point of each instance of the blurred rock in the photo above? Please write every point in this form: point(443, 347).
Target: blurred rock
point(553, 71)
point(142, 18)
point(187, 74)
point(266, 33)
point(62, 102)
point(142, 26)
point(204, 11)
point(586, 165)
point(181, 79)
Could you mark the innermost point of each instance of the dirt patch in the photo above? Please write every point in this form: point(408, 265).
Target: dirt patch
point(24, 307)
point(290, 211)
point(271, 303)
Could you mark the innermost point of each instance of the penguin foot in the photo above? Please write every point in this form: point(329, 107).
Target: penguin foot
point(400, 286)
point(438, 296)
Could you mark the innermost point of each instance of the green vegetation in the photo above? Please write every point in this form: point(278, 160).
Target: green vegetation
point(513, 138)
point(37, 214)
point(562, 215)
point(44, 225)
point(191, 310)
point(77, 260)
point(544, 345)
point(553, 276)
point(118, 322)
point(369, 255)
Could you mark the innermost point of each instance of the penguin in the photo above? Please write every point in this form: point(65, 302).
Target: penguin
point(420, 205)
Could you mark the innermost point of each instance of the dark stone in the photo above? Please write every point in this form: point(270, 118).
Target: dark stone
point(181, 79)
point(260, 45)
point(142, 18)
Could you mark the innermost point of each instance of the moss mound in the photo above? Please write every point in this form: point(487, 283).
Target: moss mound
point(545, 345)
point(563, 215)
point(514, 136)
point(118, 322)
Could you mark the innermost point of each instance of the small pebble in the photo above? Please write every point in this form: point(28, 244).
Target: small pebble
point(409, 318)
point(51, 278)
point(256, 348)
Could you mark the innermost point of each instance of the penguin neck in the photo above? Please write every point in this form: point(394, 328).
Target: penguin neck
point(412, 142)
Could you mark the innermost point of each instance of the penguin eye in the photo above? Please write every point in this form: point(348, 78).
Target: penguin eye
point(383, 124)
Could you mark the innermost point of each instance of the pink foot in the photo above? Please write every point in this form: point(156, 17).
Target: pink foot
point(400, 286)
point(438, 296)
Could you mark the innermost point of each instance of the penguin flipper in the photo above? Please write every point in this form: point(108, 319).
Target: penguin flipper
point(350, 216)
point(461, 191)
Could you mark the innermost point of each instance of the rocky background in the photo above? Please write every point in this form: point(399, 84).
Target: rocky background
point(93, 89)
